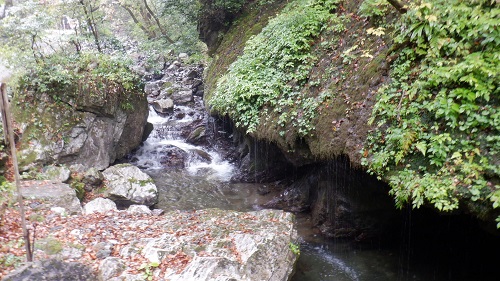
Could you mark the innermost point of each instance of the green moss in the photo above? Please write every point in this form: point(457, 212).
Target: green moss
point(49, 245)
point(36, 218)
point(337, 94)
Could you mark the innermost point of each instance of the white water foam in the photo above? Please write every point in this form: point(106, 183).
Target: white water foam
point(154, 148)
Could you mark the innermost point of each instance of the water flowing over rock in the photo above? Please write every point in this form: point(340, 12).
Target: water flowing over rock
point(127, 185)
point(163, 106)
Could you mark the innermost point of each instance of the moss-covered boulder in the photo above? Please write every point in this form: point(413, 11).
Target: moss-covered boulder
point(89, 110)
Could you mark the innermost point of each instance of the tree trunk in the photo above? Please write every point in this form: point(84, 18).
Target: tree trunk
point(158, 23)
point(136, 21)
point(91, 23)
point(8, 3)
point(398, 5)
point(147, 21)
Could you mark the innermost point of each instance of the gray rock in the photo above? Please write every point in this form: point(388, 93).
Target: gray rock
point(103, 249)
point(59, 210)
point(56, 173)
point(260, 250)
point(173, 66)
point(192, 73)
point(93, 177)
point(102, 130)
point(100, 205)
point(127, 185)
point(52, 195)
point(183, 56)
point(152, 88)
point(52, 270)
point(148, 128)
point(164, 105)
point(139, 209)
point(70, 253)
point(182, 97)
point(197, 135)
point(157, 212)
point(111, 267)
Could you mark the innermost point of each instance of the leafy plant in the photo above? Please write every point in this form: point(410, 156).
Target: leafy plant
point(373, 8)
point(295, 248)
point(274, 65)
point(437, 123)
point(77, 76)
point(148, 269)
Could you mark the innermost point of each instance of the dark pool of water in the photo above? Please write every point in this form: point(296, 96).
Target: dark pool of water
point(414, 255)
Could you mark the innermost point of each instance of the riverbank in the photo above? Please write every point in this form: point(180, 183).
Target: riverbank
point(179, 245)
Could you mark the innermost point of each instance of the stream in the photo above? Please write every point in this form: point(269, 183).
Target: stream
point(199, 178)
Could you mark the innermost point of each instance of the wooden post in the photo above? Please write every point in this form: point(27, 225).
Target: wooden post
point(8, 129)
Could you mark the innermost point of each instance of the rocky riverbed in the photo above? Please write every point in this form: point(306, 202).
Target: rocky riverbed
point(137, 244)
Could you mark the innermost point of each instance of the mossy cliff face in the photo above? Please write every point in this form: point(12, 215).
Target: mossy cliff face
point(413, 97)
point(324, 112)
point(79, 113)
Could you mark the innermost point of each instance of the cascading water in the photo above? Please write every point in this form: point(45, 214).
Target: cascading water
point(166, 137)
point(190, 176)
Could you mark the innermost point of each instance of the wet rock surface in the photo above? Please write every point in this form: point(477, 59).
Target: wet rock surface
point(343, 202)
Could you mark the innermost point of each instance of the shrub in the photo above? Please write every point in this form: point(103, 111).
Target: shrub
point(437, 123)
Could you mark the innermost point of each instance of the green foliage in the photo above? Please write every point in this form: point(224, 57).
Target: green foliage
point(7, 192)
point(437, 123)
point(274, 65)
point(295, 248)
point(148, 269)
point(229, 5)
point(88, 73)
point(374, 8)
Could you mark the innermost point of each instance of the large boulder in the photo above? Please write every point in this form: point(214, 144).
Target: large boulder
point(127, 185)
point(94, 132)
point(214, 244)
point(163, 105)
point(52, 194)
point(234, 246)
